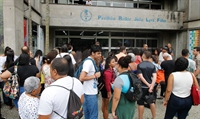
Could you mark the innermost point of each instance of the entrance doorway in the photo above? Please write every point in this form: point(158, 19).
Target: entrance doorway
point(81, 44)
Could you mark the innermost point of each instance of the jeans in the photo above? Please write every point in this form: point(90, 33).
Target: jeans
point(90, 106)
point(17, 99)
point(178, 105)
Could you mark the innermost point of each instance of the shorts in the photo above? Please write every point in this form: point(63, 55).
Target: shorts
point(104, 92)
point(145, 91)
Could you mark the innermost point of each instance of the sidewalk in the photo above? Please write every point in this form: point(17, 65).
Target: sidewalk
point(160, 111)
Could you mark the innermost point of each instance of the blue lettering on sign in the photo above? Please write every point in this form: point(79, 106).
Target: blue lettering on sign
point(106, 17)
point(138, 19)
point(161, 20)
point(120, 18)
point(149, 20)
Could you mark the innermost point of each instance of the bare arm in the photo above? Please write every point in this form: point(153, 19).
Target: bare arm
point(5, 75)
point(84, 77)
point(169, 89)
point(116, 98)
point(143, 80)
point(44, 116)
point(153, 82)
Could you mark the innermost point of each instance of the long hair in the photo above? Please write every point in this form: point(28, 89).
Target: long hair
point(9, 59)
point(70, 65)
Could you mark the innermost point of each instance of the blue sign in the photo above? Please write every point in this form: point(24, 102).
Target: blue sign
point(86, 15)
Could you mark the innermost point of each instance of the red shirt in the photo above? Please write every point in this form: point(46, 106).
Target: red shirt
point(108, 77)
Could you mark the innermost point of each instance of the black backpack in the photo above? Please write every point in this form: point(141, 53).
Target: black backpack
point(134, 92)
point(74, 107)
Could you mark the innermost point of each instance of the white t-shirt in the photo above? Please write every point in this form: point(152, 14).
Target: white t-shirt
point(182, 84)
point(56, 98)
point(28, 107)
point(88, 2)
point(63, 54)
point(191, 65)
point(2, 61)
point(90, 86)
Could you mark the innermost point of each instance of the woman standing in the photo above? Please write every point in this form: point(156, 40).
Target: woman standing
point(108, 78)
point(178, 93)
point(8, 63)
point(121, 107)
point(24, 70)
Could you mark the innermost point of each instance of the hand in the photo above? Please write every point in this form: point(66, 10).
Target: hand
point(97, 74)
point(114, 116)
point(165, 103)
point(109, 95)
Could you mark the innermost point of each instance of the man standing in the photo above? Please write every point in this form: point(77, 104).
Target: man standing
point(145, 48)
point(191, 63)
point(196, 53)
point(122, 52)
point(167, 65)
point(89, 76)
point(54, 99)
point(147, 74)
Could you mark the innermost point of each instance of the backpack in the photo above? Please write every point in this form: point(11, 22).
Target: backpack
point(74, 106)
point(11, 86)
point(134, 92)
point(78, 71)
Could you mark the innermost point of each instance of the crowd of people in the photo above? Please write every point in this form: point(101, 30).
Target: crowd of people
point(42, 76)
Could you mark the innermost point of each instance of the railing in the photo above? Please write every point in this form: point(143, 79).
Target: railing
point(125, 4)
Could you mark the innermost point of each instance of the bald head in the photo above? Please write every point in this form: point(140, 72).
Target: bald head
point(25, 50)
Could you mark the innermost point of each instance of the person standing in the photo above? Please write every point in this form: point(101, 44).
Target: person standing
point(88, 2)
point(108, 78)
point(168, 66)
point(121, 107)
point(191, 63)
point(196, 53)
point(147, 74)
point(178, 94)
point(122, 52)
point(54, 99)
point(89, 76)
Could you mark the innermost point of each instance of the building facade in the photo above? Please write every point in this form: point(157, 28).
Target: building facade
point(111, 22)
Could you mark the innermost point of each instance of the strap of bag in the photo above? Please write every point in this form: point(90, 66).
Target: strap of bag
point(197, 85)
point(66, 89)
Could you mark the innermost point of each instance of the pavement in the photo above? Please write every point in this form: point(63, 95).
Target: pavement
point(160, 111)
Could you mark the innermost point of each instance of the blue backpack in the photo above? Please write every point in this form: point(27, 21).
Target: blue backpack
point(79, 69)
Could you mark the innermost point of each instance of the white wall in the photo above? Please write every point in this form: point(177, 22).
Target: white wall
point(106, 17)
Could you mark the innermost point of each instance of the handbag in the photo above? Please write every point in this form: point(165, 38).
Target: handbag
point(195, 93)
point(150, 98)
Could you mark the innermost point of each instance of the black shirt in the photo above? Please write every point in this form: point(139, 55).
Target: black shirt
point(31, 61)
point(168, 66)
point(24, 72)
point(147, 69)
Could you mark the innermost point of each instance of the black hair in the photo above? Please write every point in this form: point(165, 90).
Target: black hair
point(147, 54)
point(38, 53)
point(158, 50)
point(70, 65)
point(122, 48)
point(24, 59)
point(43, 59)
point(108, 60)
point(6, 49)
point(185, 52)
point(124, 61)
point(9, 59)
point(136, 51)
point(181, 64)
point(60, 65)
point(130, 50)
point(197, 48)
point(95, 48)
point(64, 48)
point(85, 54)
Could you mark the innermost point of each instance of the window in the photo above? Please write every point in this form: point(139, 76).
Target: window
point(103, 42)
point(129, 42)
point(140, 42)
point(61, 33)
point(61, 41)
point(116, 42)
point(152, 43)
point(116, 34)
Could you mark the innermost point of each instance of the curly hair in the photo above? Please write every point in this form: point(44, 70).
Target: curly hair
point(181, 64)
